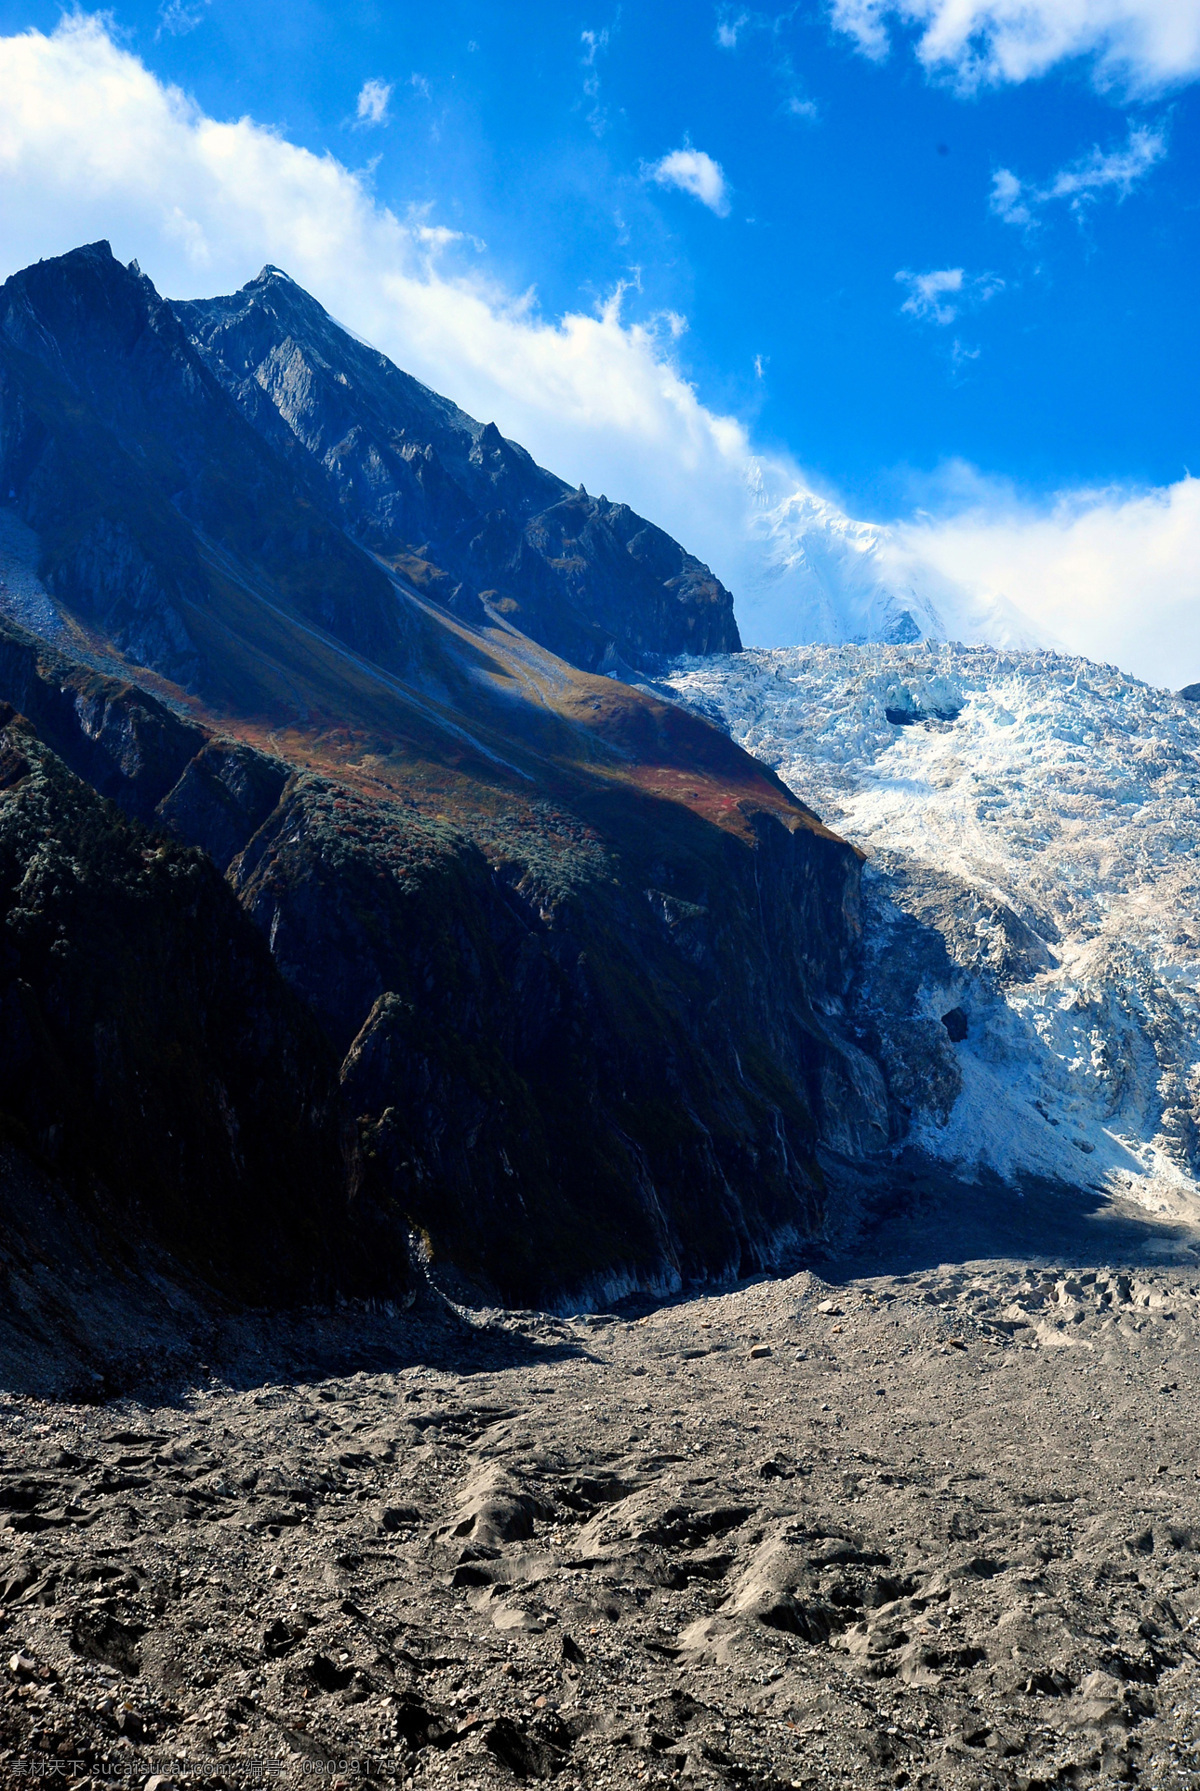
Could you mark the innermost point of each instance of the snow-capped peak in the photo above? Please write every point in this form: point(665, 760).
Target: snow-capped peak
point(817, 574)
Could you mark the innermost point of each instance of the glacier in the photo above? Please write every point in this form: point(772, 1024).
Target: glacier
point(1031, 938)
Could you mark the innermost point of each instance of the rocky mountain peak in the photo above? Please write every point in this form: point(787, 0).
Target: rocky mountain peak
point(451, 503)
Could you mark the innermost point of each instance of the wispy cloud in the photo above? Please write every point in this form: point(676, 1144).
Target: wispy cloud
point(930, 295)
point(373, 100)
point(733, 27)
point(1113, 172)
point(1143, 46)
point(729, 26)
point(694, 172)
point(940, 295)
point(594, 43)
point(1008, 199)
point(178, 17)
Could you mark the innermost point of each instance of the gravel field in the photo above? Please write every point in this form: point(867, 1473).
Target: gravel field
point(935, 1524)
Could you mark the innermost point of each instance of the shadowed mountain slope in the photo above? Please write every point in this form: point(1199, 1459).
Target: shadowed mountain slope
point(580, 958)
point(154, 1066)
point(449, 501)
point(128, 459)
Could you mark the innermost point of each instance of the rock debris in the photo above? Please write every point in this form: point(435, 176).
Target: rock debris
point(932, 1529)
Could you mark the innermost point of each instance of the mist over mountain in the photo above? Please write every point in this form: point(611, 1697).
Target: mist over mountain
point(812, 573)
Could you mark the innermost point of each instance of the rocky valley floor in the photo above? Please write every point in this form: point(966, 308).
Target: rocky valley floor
point(900, 1522)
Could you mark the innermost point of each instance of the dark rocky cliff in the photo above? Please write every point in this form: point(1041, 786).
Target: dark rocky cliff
point(449, 501)
point(125, 455)
point(602, 1070)
point(153, 1063)
point(581, 1047)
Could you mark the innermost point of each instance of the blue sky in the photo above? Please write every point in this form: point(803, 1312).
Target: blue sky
point(951, 292)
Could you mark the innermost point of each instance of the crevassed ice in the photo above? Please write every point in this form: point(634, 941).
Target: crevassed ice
point(1059, 802)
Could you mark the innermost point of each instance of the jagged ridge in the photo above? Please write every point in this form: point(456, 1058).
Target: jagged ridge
point(450, 501)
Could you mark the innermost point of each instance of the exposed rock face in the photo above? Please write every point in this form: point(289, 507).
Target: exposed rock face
point(127, 458)
point(611, 1065)
point(449, 501)
point(577, 1080)
point(154, 1065)
point(605, 1065)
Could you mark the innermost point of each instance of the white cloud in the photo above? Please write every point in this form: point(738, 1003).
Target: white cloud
point(694, 172)
point(92, 144)
point(1102, 171)
point(373, 101)
point(928, 294)
point(1008, 199)
point(594, 45)
point(1141, 45)
point(729, 26)
point(178, 17)
point(1114, 575)
point(939, 296)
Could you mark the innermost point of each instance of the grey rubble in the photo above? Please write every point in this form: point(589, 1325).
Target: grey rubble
point(936, 1529)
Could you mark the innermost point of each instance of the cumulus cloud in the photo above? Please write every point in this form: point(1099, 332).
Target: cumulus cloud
point(696, 173)
point(373, 100)
point(92, 145)
point(1111, 574)
point(1114, 172)
point(939, 296)
point(1140, 45)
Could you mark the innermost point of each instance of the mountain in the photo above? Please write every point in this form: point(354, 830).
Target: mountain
point(1031, 978)
point(141, 480)
point(448, 501)
point(812, 573)
point(578, 960)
